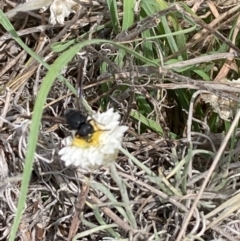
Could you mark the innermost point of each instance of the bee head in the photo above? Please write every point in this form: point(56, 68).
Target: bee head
point(85, 130)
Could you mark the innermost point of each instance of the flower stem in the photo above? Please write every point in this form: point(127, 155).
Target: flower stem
point(123, 191)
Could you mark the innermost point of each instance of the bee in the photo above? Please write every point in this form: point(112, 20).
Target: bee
point(75, 119)
point(78, 121)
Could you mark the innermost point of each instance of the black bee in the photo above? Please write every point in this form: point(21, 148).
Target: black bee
point(78, 121)
point(75, 118)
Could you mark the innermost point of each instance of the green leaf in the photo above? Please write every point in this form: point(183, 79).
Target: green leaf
point(202, 73)
point(112, 6)
point(128, 13)
point(151, 124)
point(144, 107)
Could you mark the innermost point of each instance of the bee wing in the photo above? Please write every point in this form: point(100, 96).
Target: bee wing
point(53, 119)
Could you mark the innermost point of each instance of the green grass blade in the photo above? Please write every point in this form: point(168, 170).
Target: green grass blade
point(151, 124)
point(112, 6)
point(128, 13)
point(128, 20)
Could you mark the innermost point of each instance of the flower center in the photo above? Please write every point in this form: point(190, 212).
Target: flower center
point(93, 140)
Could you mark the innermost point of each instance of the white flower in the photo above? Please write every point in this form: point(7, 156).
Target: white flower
point(103, 147)
point(62, 8)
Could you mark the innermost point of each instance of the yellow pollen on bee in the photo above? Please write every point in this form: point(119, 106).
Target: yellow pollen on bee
point(92, 140)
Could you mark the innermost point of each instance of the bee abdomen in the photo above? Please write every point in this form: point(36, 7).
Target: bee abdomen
point(75, 118)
